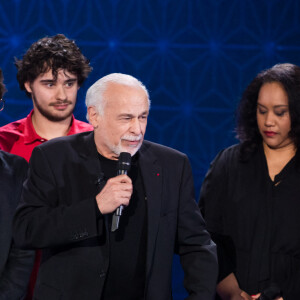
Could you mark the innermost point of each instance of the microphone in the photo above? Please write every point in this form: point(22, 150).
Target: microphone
point(124, 165)
point(270, 293)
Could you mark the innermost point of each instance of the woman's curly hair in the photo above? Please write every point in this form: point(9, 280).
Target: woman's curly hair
point(288, 75)
point(52, 53)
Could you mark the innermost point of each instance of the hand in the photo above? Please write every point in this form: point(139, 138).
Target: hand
point(241, 295)
point(258, 295)
point(237, 295)
point(246, 296)
point(116, 192)
point(228, 289)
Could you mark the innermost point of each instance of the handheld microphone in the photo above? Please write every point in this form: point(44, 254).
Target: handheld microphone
point(124, 165)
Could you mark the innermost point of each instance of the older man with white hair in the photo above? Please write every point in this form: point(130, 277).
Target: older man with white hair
point(74, 189)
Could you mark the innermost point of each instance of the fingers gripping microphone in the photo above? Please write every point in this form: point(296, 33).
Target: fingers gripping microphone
point(124, 165)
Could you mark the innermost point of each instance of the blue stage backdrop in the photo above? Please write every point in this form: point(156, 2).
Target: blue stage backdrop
point(195, 56)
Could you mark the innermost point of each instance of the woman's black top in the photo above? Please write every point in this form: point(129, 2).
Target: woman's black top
point(254, 221)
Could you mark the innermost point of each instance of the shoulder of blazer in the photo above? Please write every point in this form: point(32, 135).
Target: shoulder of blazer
point(160, 149)
point(82, 143)
point(12, 162)
point(70, 139)
point(13, 171)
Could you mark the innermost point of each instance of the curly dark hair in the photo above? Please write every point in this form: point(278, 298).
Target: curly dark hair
point(2, 85)
point(288, 75)
point(52, 53)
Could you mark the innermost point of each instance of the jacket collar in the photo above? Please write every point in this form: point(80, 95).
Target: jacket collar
point(30, 135)
point(86, 149)
point(152, 174)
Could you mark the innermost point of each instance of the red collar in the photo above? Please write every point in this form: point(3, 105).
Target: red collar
point(29, 133)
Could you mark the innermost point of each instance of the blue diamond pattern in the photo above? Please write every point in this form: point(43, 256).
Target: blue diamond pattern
point(195, 56)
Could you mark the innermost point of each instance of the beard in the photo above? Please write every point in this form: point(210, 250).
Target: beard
point(117, 149)
point(48, 114)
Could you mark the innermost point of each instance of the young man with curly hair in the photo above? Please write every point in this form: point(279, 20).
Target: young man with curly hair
point(51, 72)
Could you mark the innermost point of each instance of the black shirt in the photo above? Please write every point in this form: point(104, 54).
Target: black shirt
point(255, 221)
point(126, 273)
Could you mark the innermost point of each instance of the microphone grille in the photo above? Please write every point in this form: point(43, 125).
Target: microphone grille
point(124, 161)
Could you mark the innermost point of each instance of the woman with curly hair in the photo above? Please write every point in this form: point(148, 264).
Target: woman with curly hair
point(250, 197)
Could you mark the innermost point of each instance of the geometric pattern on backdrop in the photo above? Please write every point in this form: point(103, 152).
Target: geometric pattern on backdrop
point(195, 56)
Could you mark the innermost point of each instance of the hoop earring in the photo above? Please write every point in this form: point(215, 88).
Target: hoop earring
point(2, 104)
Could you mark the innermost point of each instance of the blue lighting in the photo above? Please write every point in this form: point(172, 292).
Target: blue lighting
point(113, 44)
point(163, 45)
point(270, 48)
point(15, 41)
point(214, 46)
point(187, 109)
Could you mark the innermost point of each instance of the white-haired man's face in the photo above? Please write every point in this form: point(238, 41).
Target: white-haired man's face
point(122, 126)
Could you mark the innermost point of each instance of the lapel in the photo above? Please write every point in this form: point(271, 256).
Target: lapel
point(152, 177)
point(88, 154)
point(87, 150)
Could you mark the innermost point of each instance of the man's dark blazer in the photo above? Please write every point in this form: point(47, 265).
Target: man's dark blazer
point(58, 213)
point(15, 264)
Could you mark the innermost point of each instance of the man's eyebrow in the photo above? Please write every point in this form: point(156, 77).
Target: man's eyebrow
point(54, 80)
point(146, 112)
point(47, 80)
point(132, 115)
point(125, 115)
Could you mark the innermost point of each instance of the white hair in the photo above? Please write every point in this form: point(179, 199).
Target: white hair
point(94, 96)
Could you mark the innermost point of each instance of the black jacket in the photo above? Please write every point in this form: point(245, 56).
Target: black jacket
point(58, 213)
point(15, 264)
